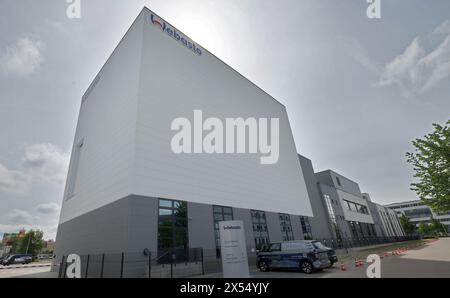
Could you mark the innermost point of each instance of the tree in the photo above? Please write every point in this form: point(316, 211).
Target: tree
point(437, 227)
point(431, 162)
point(32, 242)
point(407, 225)
point(15, 244)
point(424, 228)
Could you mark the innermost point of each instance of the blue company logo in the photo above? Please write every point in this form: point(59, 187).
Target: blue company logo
point(177, 36)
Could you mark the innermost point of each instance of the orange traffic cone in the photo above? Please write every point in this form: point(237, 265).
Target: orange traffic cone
point(356, 263)
point(343, 267)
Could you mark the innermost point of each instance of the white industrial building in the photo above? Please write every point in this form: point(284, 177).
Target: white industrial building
point(127, 190)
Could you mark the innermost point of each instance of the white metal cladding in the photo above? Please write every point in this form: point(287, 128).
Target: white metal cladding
point(352, 215)
point(130, 147)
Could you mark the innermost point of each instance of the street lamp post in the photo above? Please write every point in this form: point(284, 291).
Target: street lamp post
point(29, 240)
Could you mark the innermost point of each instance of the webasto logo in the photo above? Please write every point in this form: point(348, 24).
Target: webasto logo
point(176, 35)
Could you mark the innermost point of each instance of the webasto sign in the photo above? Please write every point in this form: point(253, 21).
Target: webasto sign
point(176, 35)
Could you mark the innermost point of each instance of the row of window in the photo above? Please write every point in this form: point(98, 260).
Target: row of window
point(173, 227)
point(259, 223)
point(407, 205)
point(355, 207)
point(418, 213)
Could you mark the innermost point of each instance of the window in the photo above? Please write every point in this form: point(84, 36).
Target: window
point(328, 202)
point(220, 213)
point(353, 229)
point(418, 213)
point(338, 181)
point(275, 247)
point(73, 173)
point(351, 206)
point(172, 230)
point(306, 228)
point(260, 231)
point(286, 227)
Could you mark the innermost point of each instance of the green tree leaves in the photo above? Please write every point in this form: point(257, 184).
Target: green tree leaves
point(31, 243)
point(407, 225)
point(431, 162)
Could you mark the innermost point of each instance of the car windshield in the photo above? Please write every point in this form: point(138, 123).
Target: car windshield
point(317, 245)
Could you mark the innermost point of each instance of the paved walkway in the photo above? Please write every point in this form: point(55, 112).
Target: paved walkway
point(429, 260)
point(32, 265)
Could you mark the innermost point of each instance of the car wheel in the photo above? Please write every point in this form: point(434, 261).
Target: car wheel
point(263, 266)
point(306, 267)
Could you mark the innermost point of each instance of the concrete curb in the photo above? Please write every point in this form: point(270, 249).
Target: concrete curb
point(25, 267)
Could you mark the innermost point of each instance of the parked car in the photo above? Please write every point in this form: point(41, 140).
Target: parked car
point(330, 252)
point(17, 259)
point(44, 256)
point(306, 255)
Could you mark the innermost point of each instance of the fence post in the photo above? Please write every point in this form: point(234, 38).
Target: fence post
point(203, 259)
point(87, 266)
point(149, 264)
point(171, 266)
point(121, 265)
point(61, 267)
point(103, 263)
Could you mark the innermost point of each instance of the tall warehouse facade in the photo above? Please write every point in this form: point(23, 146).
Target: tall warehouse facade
point(128, 190)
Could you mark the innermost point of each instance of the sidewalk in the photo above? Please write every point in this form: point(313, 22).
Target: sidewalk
point(48, 274)
point(31, 265)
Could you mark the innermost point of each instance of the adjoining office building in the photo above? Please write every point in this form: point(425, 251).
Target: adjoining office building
point(342, 211)
point(351, 217)
point(418, 212)
point(386, 221)
point(128, 191)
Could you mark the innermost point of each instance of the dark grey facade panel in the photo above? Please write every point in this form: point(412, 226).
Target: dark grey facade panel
point(296, 227)
point(376, 219)
point(130, 225)
point(273, 225)
point(246, 217)
point(320, 223)
point(326, 189)
point(201, 226)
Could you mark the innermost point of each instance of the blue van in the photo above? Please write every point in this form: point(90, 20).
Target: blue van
point(306, 255)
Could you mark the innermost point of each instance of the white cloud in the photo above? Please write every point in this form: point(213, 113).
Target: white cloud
point(49, 208)
point(21, 217)
point(358, 53)
point(444, 28)
point(46, 162)
point(419, 69)
point(21, 58)
point(13, 181)
point(41, 163)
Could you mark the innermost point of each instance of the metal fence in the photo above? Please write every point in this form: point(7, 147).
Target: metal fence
point(179, 264)
point(346, 243)
point(176, 264)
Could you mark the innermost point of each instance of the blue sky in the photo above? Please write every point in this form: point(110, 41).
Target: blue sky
point(357, 90)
